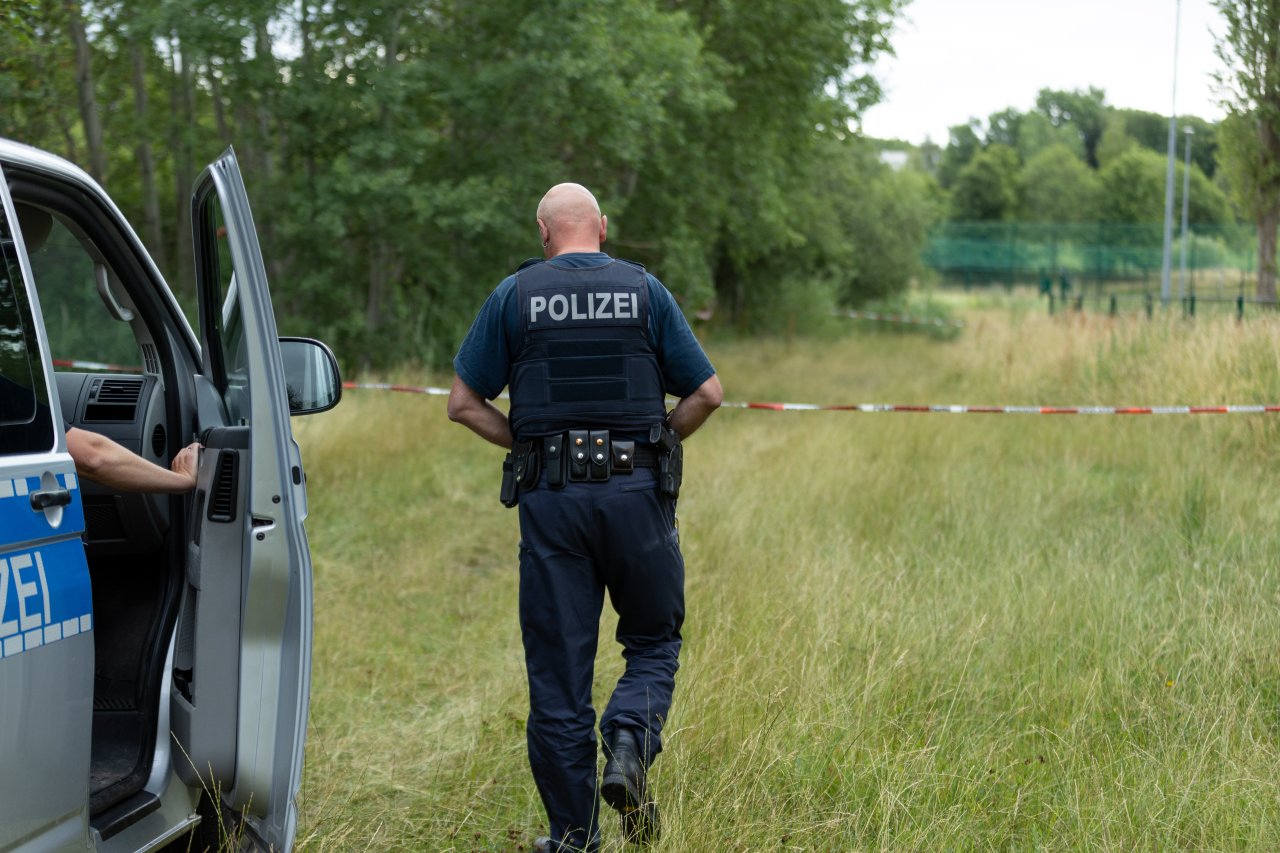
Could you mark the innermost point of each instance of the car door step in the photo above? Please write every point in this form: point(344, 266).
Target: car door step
point(124, 815)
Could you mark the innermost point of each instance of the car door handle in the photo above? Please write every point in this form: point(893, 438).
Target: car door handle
point(46, 498)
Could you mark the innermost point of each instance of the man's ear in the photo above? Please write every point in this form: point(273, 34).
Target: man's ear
point(604, 228)
point(543, 232)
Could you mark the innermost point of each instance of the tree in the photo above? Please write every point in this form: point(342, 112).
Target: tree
point(1084, 111)
point(1003, 127)
point(1250, 48)
point(1115, 139)
point(88, 98)
point(1132, 191)
point(394, 150)
point(1058, 187)
point(1151, 131)
point(988, 187)
point(1036, 133)
point(963, 143)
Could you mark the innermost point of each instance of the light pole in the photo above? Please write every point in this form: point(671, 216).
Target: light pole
point(1186, 197)
point(1168, 180)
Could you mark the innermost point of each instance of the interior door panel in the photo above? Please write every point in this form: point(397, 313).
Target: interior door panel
point(206, 668)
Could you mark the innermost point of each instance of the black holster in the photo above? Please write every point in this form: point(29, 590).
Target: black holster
point(670, 459)
point(520, 472)
point(508, 493)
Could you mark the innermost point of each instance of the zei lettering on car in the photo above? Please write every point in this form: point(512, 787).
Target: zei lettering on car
point(45, 594)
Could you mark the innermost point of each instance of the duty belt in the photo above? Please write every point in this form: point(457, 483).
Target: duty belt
point(587, 455)
point(580, 454)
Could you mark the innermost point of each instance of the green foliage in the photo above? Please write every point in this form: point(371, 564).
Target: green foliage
point(1250, 48)
point(988, 187)
point(1151, 131)
point(1036, 133)
point(1115, 140)
point(1133, 191)
point(879, 215)
point(1242, 163)
point(1058, 187)
point(963, 143)
point(1083, 111)
point(396, 154)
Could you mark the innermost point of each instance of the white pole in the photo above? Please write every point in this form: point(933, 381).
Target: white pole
point(1168, 180)
point(1186, 197)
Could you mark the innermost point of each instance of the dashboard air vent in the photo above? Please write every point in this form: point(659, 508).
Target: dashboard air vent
point(158, 440)
point(150, 362)
point(113, 399)
point(123, 391)
point(222, 500)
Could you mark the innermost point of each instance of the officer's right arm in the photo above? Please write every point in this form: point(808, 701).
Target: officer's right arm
point(473, 411)
point(692, 411)
point(102, 460)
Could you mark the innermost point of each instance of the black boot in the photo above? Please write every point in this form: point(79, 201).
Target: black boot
point(623, 788)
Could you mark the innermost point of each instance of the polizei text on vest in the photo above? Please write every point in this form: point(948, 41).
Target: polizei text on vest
point(592, 306)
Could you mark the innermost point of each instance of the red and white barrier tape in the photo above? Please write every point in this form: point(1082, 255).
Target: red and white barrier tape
point(879, 408)
point(406, 389)
point(93, 365)
point(902, 318)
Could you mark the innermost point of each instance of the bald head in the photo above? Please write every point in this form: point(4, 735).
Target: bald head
point(569, 220)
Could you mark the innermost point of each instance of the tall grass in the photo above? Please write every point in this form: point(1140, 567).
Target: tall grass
point(905, 631)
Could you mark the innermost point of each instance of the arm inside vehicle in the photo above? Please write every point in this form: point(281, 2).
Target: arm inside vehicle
point(102, 460)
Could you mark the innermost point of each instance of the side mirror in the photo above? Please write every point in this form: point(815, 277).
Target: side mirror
point(311, 374)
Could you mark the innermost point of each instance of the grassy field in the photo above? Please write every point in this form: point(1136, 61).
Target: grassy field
point(904, 632)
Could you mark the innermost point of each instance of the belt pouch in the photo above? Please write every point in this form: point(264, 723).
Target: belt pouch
point(599, 440)
point(526, 463)
point(508, 494)
point(553, 451)
point(579, 454)
point(624, 456)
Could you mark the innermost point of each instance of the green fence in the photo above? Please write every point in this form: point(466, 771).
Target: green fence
point(1093, 257)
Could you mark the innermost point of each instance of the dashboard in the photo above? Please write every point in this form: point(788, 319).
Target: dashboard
point(129, 409)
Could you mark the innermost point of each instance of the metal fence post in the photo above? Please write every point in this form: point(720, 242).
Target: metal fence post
point(1113, 305)
point(1147, 298)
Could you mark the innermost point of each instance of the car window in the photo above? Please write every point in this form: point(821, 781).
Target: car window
point(78, 326)
point(232, 376)
point(26, 425)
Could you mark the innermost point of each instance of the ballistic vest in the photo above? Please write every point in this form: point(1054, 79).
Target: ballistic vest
point(584, 358)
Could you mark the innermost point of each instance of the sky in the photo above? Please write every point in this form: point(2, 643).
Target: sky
point(962, 58)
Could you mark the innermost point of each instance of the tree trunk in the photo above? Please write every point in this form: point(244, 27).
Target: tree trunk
point(385, 265)
point(183, 171)
point(219, 106)
point(85, 91)
point(1268, 221)
point(146, 163)
point(266, 179)
point(1269, 204)
point(304, 27)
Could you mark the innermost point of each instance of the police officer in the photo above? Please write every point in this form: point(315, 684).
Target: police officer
point(590, 346)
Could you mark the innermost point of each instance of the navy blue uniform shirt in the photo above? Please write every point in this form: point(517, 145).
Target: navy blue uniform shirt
point(484, 360)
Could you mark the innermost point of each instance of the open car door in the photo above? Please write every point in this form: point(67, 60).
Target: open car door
point(242, 663)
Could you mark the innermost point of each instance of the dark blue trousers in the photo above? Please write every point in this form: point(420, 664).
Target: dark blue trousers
point(576, 543)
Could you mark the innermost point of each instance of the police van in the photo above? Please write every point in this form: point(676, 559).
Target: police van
point(155, 650)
